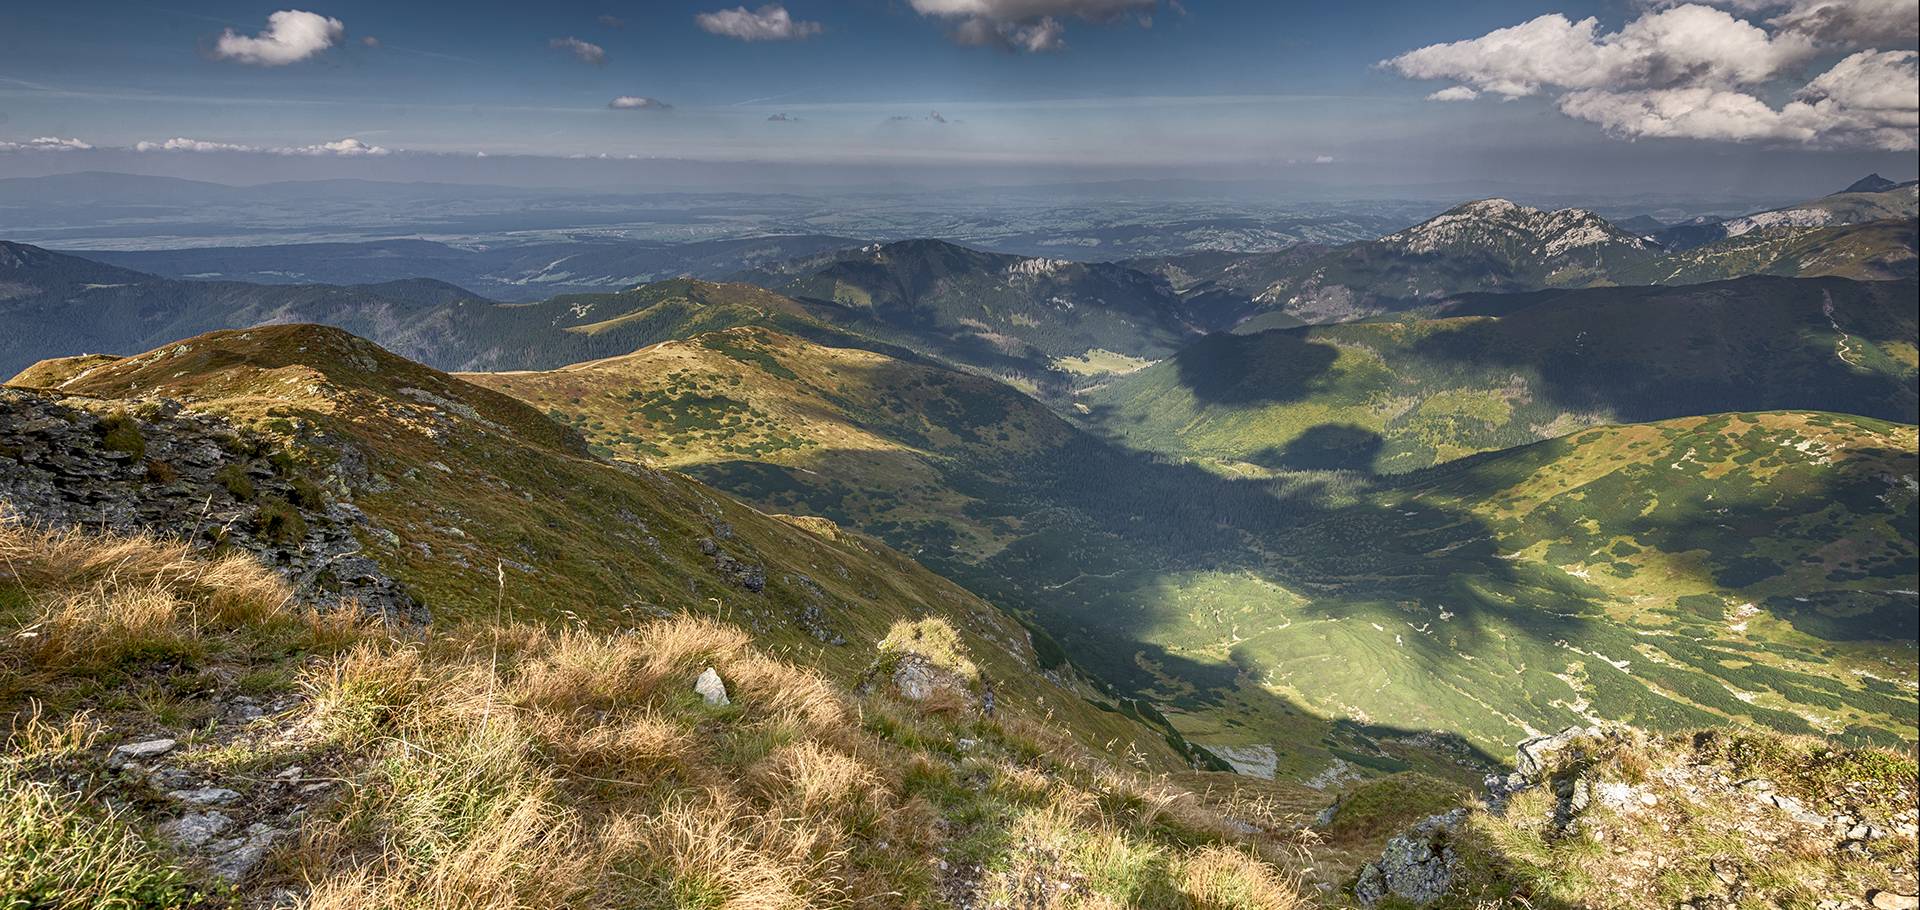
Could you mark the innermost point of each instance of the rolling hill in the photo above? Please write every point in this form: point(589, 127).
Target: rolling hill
point(59, 304)
point(1486, 372)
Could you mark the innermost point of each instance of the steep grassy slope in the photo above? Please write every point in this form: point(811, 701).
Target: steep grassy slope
point(481, 505)
point(1008, 315)
point(1493, 371)
point(909, 449)
point(185, 733)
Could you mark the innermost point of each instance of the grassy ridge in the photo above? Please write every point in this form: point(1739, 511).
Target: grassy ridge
point(488, 507)
point(1494, 371)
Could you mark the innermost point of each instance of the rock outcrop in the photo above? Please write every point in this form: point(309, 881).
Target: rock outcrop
point(156, 467)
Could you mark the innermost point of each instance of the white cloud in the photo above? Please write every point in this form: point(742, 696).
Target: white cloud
point(350, 147)
point(183, 144)
point(45, 144)
point(1698, 72)
point(1323, 159)
point(291, 36)
point(638, 103)
point(586, 51)
point(1684, 45)
point(1027, 25)
point(1839, 23)
point(1867, 99)
point(768, 23)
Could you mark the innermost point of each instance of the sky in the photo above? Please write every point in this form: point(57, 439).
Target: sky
point(1640, 96)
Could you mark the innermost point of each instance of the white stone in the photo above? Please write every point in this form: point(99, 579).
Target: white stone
point(147, 749)
point(711, 688)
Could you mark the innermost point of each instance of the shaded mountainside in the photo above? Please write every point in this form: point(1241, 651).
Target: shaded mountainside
point(521, 273)
point(1009, 315)
point(1486, 372)
point(58, 305)
point(1228, 600)
point(478, 503)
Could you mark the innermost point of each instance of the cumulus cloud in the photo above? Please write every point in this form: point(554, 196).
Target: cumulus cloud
point(1323, 159)
point(638, 103)
point(369, 41)
point(1838, 23)
point(1027, 25)
point(768, 23)
point(291, 36)
point(45, 144)
point(781, 118)
point(586, 51)
point(1698, 72)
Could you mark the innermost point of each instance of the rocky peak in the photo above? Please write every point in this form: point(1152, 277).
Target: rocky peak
point(1499, 223)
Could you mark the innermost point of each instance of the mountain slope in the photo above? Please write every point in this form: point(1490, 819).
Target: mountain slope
point(1854, 205)
point(478, 503)
point(1492, 371)
point(1181, 585)
point(1488, 245)
point(1871, 251)
point(1008, 315)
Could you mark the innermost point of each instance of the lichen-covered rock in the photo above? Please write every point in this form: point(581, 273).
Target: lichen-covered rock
point(1416, 868)
point(153, 466)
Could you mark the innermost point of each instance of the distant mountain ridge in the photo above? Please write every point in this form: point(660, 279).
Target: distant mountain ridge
point(1015, 316)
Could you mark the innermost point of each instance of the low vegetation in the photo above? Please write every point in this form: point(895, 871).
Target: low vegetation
point(504, 764)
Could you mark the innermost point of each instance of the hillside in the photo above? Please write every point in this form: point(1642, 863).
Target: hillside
point(1007, 315)
point(1860, 203)
point(477, 503)
point(1176, 583)
point(254, 752)
point(1487, 372)
point(1870, 251)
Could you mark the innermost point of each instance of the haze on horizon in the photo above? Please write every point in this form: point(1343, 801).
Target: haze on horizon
point(1787, 96)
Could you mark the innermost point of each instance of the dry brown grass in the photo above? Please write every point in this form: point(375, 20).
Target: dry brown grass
point(513, 766)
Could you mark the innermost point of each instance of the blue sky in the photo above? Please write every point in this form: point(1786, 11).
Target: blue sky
point(1280, 88)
